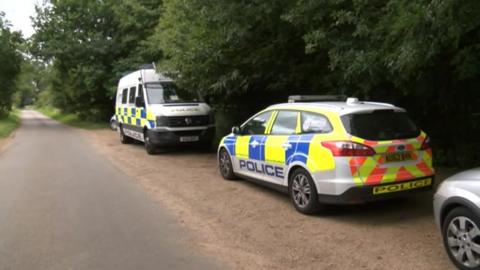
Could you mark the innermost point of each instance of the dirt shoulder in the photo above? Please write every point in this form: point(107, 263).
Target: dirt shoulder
point(250, 227)
point(5, 142)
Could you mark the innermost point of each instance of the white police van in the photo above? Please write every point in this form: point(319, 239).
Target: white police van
point(150, 108)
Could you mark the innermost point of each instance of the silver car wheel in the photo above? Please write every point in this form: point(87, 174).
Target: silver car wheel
point(463, 237)
point(301, 190)
point(225, 164)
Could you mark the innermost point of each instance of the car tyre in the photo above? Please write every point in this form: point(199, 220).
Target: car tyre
point(124, 139)
point(149, 146)
point(461, 238)
point(303, 192)
point(226, 165)
point(113, 125)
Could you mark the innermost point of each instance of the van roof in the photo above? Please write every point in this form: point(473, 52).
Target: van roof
point(143, 75)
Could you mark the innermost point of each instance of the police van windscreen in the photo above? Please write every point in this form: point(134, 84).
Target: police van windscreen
point(160, 93)
point(380, 125)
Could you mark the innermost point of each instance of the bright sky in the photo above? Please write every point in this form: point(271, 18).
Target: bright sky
point(18, 13)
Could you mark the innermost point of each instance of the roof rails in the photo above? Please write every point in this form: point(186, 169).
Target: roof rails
point(316, 98)
point(379, 103)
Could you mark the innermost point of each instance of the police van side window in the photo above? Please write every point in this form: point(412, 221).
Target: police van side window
point(315, 123)
point(131, 96)
point(140, 91)
point(124, 96)
point(257, 125)
point(285, 123)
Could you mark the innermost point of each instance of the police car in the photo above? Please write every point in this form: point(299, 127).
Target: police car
point(329, 150)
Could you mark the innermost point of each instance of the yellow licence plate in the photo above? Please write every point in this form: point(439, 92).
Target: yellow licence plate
point(398, 156)
point(402, 186)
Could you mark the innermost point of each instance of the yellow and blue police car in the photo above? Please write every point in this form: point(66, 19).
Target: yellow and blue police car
point(328, 150)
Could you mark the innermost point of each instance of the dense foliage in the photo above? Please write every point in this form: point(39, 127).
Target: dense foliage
point(10, 59)
point(422, 55)
point(89, 45)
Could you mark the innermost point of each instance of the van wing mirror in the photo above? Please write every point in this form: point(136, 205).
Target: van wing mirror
point(139, 102)
point(236, 130)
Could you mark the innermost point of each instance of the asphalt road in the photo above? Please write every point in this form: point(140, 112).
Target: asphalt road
point(63, 206)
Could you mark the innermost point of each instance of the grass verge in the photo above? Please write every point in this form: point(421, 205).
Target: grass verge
point(70, 119)
point(9, 124)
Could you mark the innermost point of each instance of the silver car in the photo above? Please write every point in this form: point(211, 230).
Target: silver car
point(457, 213)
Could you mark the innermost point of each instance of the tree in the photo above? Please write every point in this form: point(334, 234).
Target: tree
point(423, 55)
point(237, 52)
point(10, 58)
point(33, 79)
point(90, 44)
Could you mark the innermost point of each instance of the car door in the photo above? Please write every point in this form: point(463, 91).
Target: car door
point(280, 145)
point(250, 146)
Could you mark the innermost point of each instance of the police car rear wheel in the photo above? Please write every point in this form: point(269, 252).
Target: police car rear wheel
point(461, 237)
point(303, 192)
point(225, 163)
point(123, 138)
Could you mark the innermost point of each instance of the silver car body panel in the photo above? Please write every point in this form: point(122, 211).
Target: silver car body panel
point(460, 189)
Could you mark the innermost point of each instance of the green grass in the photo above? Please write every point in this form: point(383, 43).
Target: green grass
point(70, 119)
point(9, 124)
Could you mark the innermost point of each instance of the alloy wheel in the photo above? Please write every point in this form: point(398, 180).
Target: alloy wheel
point(301, 190)
point(225, 163)
point(463, 238)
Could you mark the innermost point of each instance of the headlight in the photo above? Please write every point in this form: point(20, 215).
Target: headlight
point(162, 121)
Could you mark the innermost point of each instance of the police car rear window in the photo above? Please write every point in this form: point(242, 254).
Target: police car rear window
point(380, 125)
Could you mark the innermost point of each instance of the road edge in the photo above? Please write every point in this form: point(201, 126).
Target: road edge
point(5, 143)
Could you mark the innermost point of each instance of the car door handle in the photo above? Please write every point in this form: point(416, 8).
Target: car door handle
point(286, 146)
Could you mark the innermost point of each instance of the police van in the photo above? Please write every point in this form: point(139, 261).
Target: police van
point(150, 108)
point(330, 150)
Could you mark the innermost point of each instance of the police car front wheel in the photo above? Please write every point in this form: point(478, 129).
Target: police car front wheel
point(303, 192)
point(225, 164)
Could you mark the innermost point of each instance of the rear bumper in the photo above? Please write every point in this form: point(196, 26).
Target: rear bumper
point(361, 194)
point(165, 138)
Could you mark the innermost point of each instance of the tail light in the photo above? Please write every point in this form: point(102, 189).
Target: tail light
point(348, 148)
point(425, 144)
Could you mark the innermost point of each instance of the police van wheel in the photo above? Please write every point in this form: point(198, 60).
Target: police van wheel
point(123, 138)
point(225, 164)
point(149, 147)
point(303, 192)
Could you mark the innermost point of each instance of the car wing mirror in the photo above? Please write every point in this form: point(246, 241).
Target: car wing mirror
point(236, 130)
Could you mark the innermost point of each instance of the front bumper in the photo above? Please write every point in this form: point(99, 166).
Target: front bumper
point(361, 194)
point(165, 138)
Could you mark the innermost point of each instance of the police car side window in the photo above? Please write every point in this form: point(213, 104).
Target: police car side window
point(285, 123)
point(315, 123)
point(257, 125)
point(131, 96)
point(124, 96)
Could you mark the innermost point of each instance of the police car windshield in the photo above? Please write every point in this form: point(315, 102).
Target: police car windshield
point(167, 92)
point(380, 125)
